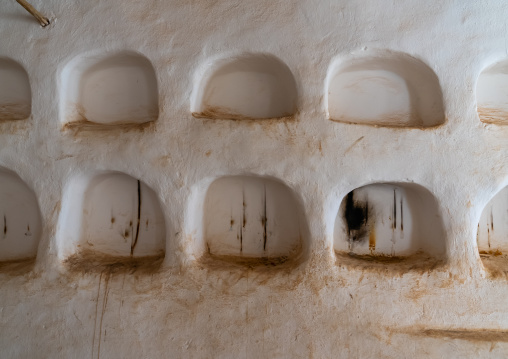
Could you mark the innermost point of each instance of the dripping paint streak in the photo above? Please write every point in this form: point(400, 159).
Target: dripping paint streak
point(488, 234)
point(139, 219)
point(241, 239)
point(372, 238)
point(394, 225)
point(243, 208)
point(491, 220)
point(401, 215)
point(5, 225)
point(264, 222)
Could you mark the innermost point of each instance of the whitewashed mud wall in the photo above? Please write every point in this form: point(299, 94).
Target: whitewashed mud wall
point(254, 179)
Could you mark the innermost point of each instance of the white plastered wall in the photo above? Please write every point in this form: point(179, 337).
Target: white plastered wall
point(321, 307)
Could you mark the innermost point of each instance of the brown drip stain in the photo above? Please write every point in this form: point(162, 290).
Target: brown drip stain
point(113, 220)
point(5, 226)
point(372, 239)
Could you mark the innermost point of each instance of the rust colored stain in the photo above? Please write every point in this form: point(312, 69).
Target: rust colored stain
point(14, 112)
point(493, 116)
point(87, 261)
point(372, 239)
point(475, 335)
point(389, 265)
point(220, 113)
point(77, 127)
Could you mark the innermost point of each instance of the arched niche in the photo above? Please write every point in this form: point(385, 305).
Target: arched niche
point(492, 94)
point(383, 88)
point(249, 218)
point(389, 220)
point(109, 91)
point(20, 219)
point(110, 215)
point(492, 237)
point(249, 86)
point(15, 93)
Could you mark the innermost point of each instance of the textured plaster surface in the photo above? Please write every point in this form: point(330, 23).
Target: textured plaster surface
point(321, 307)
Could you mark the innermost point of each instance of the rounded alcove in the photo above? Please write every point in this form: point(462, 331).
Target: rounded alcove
point(109, 91)
point(492, 234)
point(492, 94)
point(384, 88)
point(109, 218)
point(20, 219)
point(253, 220)
point(388, 222)
point(249, 86)
point(15, 93)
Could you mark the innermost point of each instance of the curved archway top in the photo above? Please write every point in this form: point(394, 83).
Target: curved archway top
point(384, 88)
point(109, 89)
point(15, 92)
point(246, 86)
point(492, 93)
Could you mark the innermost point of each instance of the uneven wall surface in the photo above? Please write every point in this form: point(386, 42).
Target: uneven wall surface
point(254, 179)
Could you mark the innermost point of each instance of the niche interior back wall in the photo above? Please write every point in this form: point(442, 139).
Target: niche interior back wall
point(254, 179)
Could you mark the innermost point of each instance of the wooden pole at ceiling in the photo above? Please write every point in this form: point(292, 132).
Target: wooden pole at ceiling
point(44, 21)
